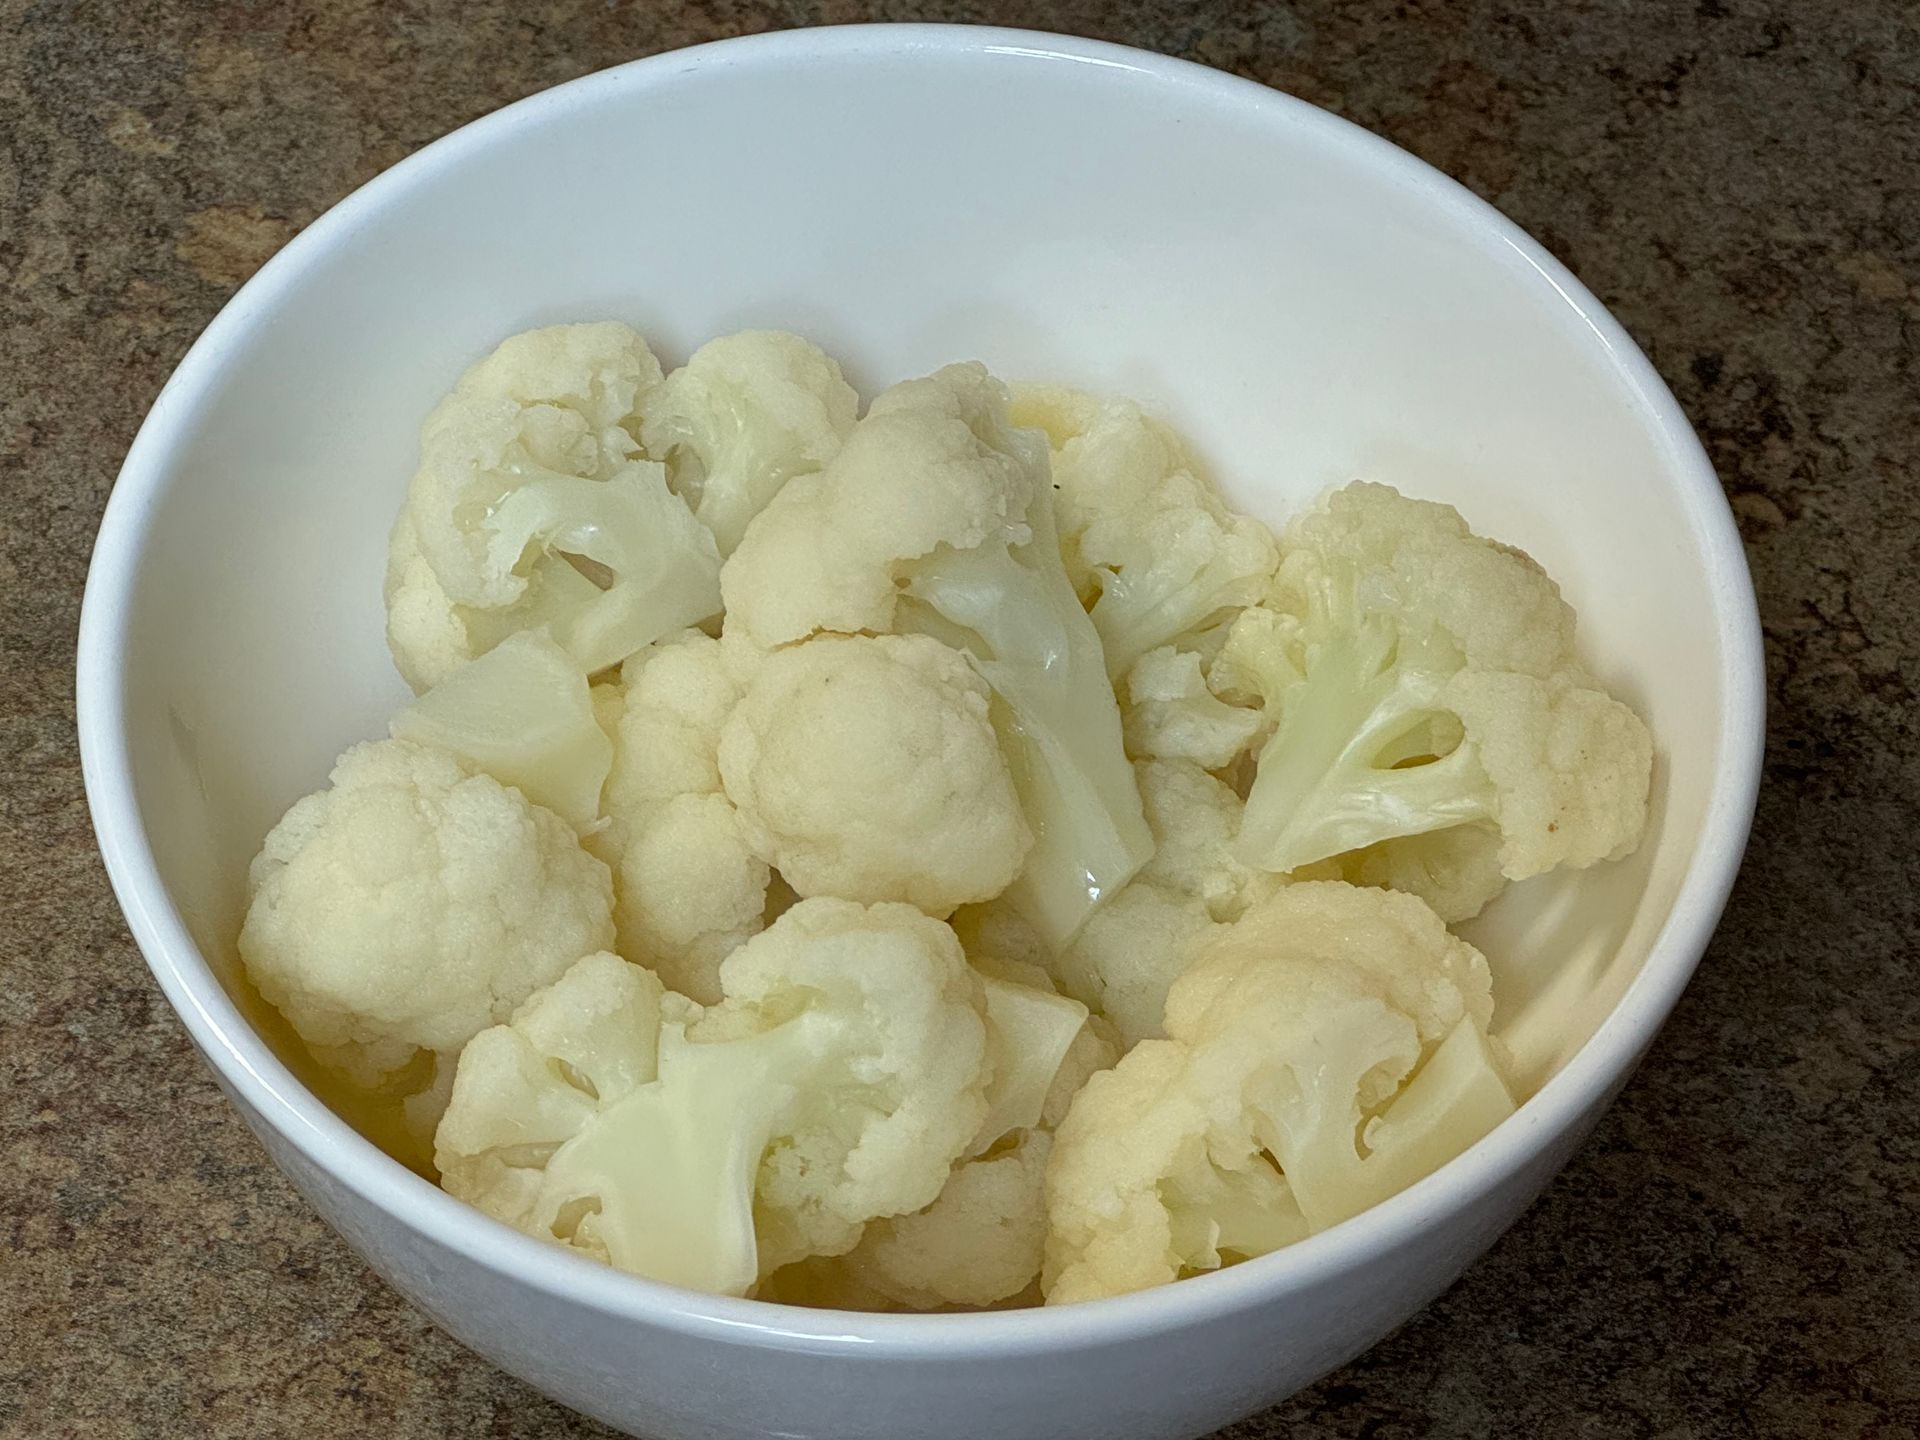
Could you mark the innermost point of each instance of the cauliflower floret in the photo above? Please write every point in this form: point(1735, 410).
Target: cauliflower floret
point(1456, 871)
point(689, 886)
point(1130, 951)
point(1195, 820)
point(743, 416)
point(1135, 947)
point(1173, 715)
point(1424, 678)
point(1152, 537)
point(980, 1242)
point(569, 1053)
point(837, 1082)
point(522, 712)
point(1032, 1030)
point(1280, 1102)
point(866, 767)
point(414, 903)
point(932, 519)
point(533, 507)
point(426, 632)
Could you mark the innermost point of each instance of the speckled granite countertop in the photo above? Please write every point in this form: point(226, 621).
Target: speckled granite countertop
point(1737, 1250)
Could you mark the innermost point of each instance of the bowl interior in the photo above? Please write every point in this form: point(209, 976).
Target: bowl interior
point(1305, 303)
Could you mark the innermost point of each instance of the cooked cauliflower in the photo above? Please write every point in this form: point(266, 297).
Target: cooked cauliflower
point(412, 904)
point(981, 1241)
point(743, 416)
point(1455, 871)
point(533, 506)
point(689, 886)
point(1130, 952)
point(865, 766)
point(1172, 714)
point(522, 712)
point(1195, 820)
point(837, 1082)
point(1424, 678)
point(1153, 540)
point(726, 696)
point(1279, 1104)
point(932, 518)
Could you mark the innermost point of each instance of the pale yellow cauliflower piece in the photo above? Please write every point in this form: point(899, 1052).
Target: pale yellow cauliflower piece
point(412, 904)
point(1423, 678)
point(1135, 947)
point(1280, 1102)
point(865, 767)
point(533, 507)
point(744, 415)
point(1456, 871)
point(934, 519)
point(523, 713)
point(1172, 714)
point(1149, 539)
point(837, 1082)
point(689, 886)
point(981, 1242)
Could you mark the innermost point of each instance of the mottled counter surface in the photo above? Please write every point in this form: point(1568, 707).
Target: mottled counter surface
point(1736, 1251)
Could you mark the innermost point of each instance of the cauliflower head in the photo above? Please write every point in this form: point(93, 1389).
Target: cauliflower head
point(1422, 679)
point(837, 1082)
point(865, 766)
point(414, 903)
point(1173, 714)
point(1280, 1101)
point(933, 519)
point(744, 415)
point(533, 507)
point(1132, 950)
point(689, 886)
point(1455, 871)
point(981, 1241)
point(1158, 547)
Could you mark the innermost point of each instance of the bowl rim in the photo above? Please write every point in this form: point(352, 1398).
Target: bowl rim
point(244, 1063)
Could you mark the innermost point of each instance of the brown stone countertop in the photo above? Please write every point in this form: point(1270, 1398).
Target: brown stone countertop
point(1735, 1252)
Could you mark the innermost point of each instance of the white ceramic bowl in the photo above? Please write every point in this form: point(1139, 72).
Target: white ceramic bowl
point(1306, 301)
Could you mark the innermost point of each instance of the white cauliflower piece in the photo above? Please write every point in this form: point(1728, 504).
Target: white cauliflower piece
point(836, 1083)
point(521, 712)
point(414, 903)
point(1195, 820)
point(1423, 679)
point(979, 1243)
point(1031, 1031)
point(1127, 956)
point(1130, 952)
point(532, 507)
point(744, 415)
point(689, 886)
point(1171, 713)
point(1280, 1102)
point(866, 767)
point(933, 518)
point(1155, 540)
point(1455, 871)
point(567, 1055)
